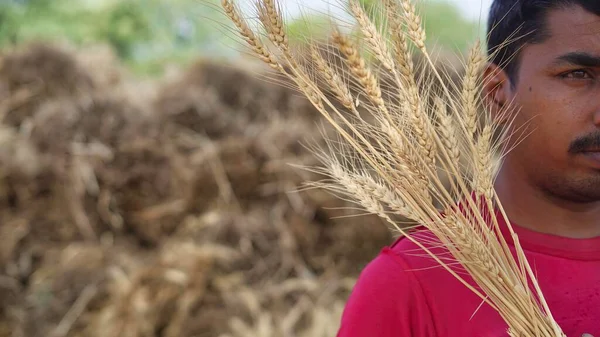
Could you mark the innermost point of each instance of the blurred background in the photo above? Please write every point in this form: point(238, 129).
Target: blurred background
point(148, 179)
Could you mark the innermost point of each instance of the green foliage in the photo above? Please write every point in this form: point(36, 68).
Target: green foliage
point(121, 24)
point(447, 28)
point(146, 34)
point(443, 22)
point(8, 20)
point(312, 27)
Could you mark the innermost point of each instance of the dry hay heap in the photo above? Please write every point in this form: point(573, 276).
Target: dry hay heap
point(168, 215)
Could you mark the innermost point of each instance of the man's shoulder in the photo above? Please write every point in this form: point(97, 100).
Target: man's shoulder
point(387, 299)
point(398, 267)
point(404, 291)
point(405, 267)
point(415, 250)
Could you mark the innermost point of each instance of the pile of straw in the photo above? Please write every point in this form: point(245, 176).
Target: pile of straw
point(166, 208)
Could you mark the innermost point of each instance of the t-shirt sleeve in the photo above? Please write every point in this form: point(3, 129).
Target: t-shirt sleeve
point(386, 301)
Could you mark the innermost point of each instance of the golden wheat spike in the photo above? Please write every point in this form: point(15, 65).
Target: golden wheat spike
point(333, 79)
point(257, 47)
point(392, 164)
point(470, 86)
point(399, 42)
point(372, 35)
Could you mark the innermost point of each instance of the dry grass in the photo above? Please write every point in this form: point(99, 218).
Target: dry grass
point(391, 164)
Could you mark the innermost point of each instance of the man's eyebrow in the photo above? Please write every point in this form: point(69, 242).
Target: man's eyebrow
point(579, 59)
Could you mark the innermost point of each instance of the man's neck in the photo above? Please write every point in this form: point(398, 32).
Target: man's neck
point(531, 208)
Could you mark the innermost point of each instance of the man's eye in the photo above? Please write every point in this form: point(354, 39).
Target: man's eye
point(578, 75)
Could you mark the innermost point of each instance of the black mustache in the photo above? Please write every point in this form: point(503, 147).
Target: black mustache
point(585, 143)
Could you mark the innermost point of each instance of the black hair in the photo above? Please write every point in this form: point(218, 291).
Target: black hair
point(514, 23)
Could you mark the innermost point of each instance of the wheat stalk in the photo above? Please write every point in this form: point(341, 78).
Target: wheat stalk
point(257, 46)
point(333, 79)
point(446, 130)
point(400, 44)
point(413, 22)
point(470, 88)
point(372, 36)
point(360, 70)
point(391, 166)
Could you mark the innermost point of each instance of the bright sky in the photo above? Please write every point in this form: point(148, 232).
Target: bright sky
point(470, 8)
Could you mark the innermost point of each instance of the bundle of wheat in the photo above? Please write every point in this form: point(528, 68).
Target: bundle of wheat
point(391, 164)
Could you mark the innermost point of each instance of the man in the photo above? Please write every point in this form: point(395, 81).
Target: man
point(549, 79)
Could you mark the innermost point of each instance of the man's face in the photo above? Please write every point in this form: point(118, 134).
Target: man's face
point(557, 95)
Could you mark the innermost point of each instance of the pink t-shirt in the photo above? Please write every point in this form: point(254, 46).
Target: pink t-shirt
point(403, 292)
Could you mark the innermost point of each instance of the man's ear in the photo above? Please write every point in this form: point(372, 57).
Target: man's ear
point(496, 91)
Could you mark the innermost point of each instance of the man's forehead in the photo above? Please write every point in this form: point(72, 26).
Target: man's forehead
point(573, 26)
point(572, 35)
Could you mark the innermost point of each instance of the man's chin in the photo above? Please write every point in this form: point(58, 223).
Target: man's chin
point(582, 187)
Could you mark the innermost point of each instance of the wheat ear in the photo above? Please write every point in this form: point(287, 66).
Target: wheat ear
point(257, 47)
